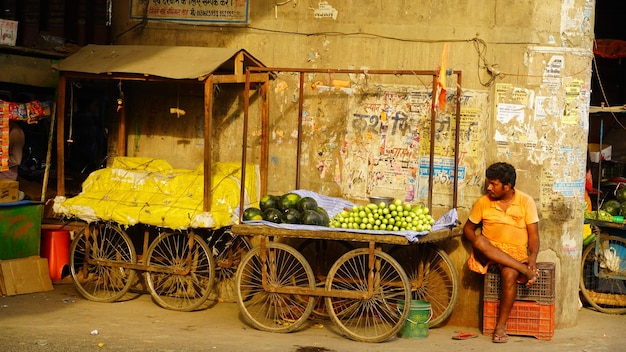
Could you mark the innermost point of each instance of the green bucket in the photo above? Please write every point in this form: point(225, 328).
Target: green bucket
point(416, 326)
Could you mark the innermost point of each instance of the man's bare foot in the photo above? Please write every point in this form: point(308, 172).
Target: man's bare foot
point(534, 275)
point(529, 278)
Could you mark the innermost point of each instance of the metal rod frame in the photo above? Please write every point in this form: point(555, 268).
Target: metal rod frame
point(301, 72)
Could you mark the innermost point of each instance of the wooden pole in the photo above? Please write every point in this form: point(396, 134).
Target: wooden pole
point(208, 135)
point(44, 187)
point(61, 135)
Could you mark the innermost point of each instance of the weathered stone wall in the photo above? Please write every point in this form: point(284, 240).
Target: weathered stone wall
point(525, 84)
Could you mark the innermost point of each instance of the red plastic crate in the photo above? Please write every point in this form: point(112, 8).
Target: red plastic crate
point(526, 318)
point(542, 291)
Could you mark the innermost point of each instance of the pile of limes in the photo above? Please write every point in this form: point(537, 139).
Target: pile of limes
point(396, 216)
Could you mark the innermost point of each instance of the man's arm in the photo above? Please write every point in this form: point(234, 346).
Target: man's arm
point(469, 231)
point(533, 245)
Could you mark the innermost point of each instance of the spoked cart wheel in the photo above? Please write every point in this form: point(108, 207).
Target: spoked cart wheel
point(373, 319)
point(97, 257)
point(321, 255)
point(259, 279)
point(603, 274)
point(228, 250)
point(181, 270)
point(432, 276)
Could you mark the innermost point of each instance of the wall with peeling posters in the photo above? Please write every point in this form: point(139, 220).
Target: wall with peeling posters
point(525, 91)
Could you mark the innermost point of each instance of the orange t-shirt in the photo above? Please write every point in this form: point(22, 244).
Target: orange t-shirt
point(505, 229)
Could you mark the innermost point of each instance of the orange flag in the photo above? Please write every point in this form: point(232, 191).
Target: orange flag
point(441, 80)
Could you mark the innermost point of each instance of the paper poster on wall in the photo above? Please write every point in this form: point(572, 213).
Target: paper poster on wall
point(552, 71)
point(387, 143)
point(546, 107)
point(383, 137)
point(196, 11)
point(324, 10)
point(572, 101)
point(510, 112)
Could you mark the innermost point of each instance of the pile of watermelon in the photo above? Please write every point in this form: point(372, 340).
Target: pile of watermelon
point(610, 208)
point(289, 208)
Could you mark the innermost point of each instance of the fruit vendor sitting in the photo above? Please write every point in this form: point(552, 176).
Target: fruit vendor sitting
point(509, 237)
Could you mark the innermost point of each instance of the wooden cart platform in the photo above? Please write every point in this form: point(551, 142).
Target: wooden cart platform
point(323, 234)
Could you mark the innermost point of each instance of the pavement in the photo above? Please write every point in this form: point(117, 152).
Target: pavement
point(62, 320)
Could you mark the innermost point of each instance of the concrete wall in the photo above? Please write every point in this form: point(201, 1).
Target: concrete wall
point(526, 72)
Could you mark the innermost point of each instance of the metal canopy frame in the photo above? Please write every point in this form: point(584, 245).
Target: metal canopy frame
point(252, 71)
point(236, 64)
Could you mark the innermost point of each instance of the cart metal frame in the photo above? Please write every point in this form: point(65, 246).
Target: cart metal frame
point(360, 308)
point(375, 290)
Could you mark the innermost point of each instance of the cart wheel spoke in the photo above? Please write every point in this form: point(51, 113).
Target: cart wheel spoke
point(228, 250)
point(321, 255)
point(94, 253)
point(373, 319)
point(432, 276)
point(274, 311)
point(180, 275)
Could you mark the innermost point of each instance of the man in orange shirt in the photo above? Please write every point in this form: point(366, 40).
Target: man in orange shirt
point(509, 237)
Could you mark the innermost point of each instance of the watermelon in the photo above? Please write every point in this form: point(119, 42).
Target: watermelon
point(273, 215)
point(252, 214)
point(622, 209)
point(288, 201)
point(268, 201)
point(312, 217)
point(324, 214)
point(611, 206)
point(620, 194)
point(291, 216)
point(307, 203)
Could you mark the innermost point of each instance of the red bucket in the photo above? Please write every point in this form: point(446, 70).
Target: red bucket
point(55, 246)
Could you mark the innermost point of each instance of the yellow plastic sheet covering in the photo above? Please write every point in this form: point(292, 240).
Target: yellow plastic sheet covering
point(149, 191)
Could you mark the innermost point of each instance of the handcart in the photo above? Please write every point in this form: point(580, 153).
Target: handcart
point(180, 267)
point(180, 262)
point(603, 268)
point(367, 292)
point(179, 248)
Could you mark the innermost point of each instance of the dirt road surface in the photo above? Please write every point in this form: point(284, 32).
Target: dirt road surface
point(62, 320)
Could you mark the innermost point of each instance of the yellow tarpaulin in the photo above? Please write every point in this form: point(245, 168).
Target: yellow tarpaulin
point(149, 191)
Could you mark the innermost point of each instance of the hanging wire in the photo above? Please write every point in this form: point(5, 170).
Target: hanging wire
point(109, 13)
point(604, 98)
point(481, 48)
point(420, 79)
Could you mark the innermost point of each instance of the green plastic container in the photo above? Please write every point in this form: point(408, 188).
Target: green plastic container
point(20, 230)
point(416, 326)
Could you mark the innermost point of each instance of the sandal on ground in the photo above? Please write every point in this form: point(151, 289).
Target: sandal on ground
point(464, 336)
point(500, 338)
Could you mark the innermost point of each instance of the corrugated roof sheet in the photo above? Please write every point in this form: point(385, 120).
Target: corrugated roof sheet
point(175, 62)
